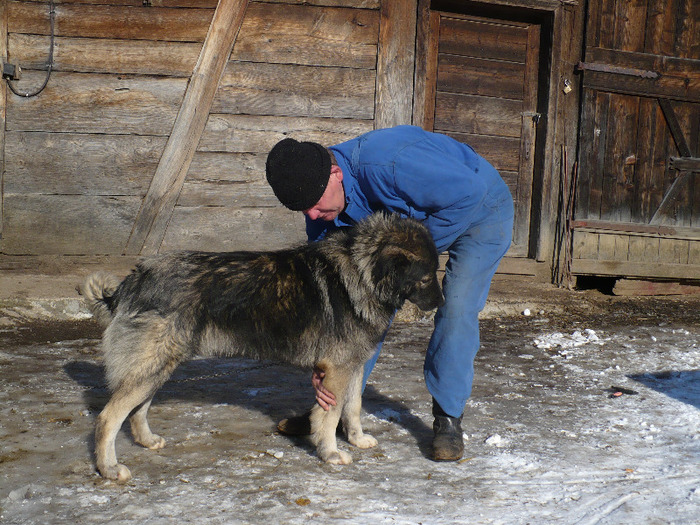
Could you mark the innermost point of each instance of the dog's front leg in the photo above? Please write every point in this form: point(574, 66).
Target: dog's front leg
point(325, 422)
point(352, 409)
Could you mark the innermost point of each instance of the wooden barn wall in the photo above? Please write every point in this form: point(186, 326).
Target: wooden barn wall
point(80, 156)
point(627, 142)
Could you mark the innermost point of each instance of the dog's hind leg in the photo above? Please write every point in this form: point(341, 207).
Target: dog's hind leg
point(352, 409)
point(141, 431)
point(123, 402)
point(325, 422)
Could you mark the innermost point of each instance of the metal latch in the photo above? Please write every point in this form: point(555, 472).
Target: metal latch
point(533, 115)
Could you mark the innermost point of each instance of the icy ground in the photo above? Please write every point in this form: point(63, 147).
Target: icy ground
point(569, 423)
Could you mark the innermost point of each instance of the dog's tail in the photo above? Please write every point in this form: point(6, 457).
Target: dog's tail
point(98, 290)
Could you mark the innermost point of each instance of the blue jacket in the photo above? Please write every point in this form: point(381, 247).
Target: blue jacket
point(415, 173)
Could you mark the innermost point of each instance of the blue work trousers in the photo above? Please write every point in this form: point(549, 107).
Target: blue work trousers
point(473, 259)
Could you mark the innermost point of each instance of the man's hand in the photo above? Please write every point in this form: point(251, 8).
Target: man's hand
point(324, 397)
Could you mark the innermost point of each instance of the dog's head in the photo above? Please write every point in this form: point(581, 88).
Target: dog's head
point(404, 261)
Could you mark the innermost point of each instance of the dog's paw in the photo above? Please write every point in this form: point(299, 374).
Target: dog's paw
point(364, 441)
point(155, 442)
point(338, 458)
point(118, 473)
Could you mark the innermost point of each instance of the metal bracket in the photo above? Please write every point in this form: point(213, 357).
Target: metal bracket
point(11, 72)
point(533, 115)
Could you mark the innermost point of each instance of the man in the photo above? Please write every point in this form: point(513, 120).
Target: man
point(463, 202)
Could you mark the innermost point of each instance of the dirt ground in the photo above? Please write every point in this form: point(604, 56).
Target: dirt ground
point(586, 411)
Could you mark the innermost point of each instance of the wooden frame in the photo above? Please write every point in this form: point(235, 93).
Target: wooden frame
point(559, 107)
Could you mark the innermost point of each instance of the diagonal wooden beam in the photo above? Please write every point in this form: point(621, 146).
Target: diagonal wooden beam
point(157, 206)
point(683, 177)
point(674, 127)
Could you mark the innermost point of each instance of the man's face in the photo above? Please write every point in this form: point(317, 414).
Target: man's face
point(332, 202)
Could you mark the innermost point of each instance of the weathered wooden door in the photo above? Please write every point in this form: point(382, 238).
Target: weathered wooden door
point(637, 208)
point(479, 86)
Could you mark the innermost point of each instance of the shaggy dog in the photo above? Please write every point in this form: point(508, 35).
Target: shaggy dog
point(325, 304)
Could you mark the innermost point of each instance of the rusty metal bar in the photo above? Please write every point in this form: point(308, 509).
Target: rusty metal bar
point(617, 70)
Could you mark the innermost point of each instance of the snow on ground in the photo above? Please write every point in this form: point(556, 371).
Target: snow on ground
point(571, 425)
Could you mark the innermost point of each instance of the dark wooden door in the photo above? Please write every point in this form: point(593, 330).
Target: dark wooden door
point(480, 87)
point(638, 193)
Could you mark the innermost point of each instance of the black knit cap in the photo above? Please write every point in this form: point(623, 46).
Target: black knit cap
point(298, 173)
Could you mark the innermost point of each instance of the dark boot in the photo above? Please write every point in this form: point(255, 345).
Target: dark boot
point(447, 440)
point(296, 425)
point(300, 425)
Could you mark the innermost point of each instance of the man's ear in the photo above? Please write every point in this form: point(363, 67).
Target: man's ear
point(335, 170)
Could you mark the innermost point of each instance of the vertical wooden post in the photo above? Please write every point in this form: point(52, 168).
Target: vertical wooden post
point(427, 34)
point(395, 61)
point(3, 105)
point(157, 207)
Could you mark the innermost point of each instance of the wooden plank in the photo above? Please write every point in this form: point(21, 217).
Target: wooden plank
point(675, 128)
point(104, 21)
point(424, 42)
point(589, 139)
point(528, 138)
point(620, 158)
point(477, 76)
point(685, 164)
point(67, 224)
point(502, 152)
point(635, 229)
point(424, 100)
point(291, 90)
point(211, 4)
point(606, 29)
point(675, 192)
point(585, 245)
point(593, 16)
point(493, 117)
point(101, 55)
point(635, 288)
point(665, 65)
point(643, 173)
point(483, 39)
point(674, 251)
point(557, 156)
point(395, 62)
point(687, 44)
point(613, 247)
point(660, 28)
point(228, 167)
point(309, 35)
point(647, 270)
point(363, 4)
point(665, 86)
point(595, 171)
point(229, 229)
point(89, 103)
point(166, 184)
point(258, 134)
point(630, 25)
point(81, 164)
point(3, 107)
point(221, 192)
